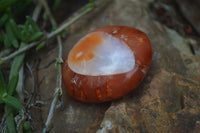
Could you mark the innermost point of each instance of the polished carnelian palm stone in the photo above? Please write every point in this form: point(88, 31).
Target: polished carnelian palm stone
point(107, 64)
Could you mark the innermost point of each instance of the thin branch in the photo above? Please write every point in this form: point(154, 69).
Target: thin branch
point(23, 114)
point(51, 111)
point(2, 124)
point(67, 24)
point(37, 11)
point(59, 75)
point(33, 87)
point(20, 84)
point(20, 119)
point(59, 78)
point(50, 35)
point(48, 12)
point(21, 50)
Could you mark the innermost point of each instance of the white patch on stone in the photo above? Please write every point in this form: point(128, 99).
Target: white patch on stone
point(112, 56)
point(79, 54)
point(143, 71)
point(106, 125)
point(114, 32)
point(75, 80)
point(124, 37)
point(128, 75)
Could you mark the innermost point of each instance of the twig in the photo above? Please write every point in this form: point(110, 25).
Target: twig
point(67, 24)
point(20, 84)
point(37, 11)
point(50, 35)
point(2, 124)
point(20, 118)
point(3, 130)
point(48, 12)
point(33, 87)
point(23, 114)
point(51, 111)
point(21, 50)
point(59, 75)
point(36, 103)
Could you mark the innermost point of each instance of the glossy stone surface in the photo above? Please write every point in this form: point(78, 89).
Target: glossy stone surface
point(107, 64)
point(100, 53)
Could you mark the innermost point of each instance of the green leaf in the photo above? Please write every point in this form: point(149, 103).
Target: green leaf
point(7, 42)
point(36, 36)
point(5, 4)
point(16, 64)
point(10, 122)
point(12, 38)
point(14, 72)
point(53, 29)
point(2, 87)
point(56, 65)
point(21, 27)
point(41, 45)
point(61, 92)
point(2, 84)
point(3, 19)
point(1, 38)
point(91, 1)
point(12, 84)
point(62, 34)
point(59, 60)
point(15, 28)
point(27, 127)
point(11, 101)
point(33, 24)
point(56, 4)
point(31, 31)
point(88, 6)
point(1, 62)
point(25, 32)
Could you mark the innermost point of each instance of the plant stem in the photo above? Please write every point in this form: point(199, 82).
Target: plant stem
point(2, 60)
point(59, 74)
point(50, 35)
point(67, 24)
point(37, 11)
point(51, 111)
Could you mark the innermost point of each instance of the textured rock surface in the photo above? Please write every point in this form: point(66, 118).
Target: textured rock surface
point(170, 104)
point(166, 101)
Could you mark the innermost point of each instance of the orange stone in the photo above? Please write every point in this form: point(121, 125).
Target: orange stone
point(107, 64)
